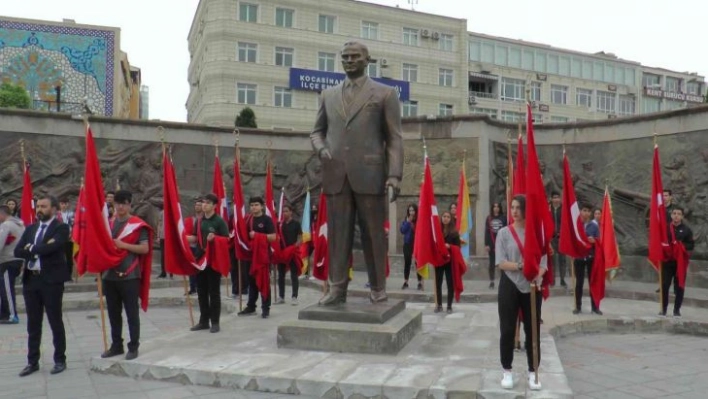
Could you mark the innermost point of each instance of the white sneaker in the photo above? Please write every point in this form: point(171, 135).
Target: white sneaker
point(533, 385)
point(294, 302)
point(279, 301)
point(507, 381)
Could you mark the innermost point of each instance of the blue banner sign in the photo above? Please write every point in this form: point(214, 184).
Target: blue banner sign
point(312, 80)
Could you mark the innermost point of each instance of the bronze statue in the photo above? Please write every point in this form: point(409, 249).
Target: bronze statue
point(357, 136)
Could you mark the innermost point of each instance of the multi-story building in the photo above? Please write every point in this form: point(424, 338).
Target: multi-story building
point(275, 56)
point(144, 102)
point(70, 64)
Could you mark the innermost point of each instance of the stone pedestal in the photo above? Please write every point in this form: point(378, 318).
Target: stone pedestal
point(355, 327)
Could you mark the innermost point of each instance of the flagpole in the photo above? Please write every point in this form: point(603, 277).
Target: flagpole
point(661, 265)
point(272, 266)
point(237, 159)
point(435, 275)
point(534, 315)
point(572, 261)
point(99, 279)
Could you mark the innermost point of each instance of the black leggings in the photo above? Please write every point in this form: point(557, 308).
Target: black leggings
point(408, 261)
point(580, 266)
point(511, 301)
point(447, 271)
point(492, 266)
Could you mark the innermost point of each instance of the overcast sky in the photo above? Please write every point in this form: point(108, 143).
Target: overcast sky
point(659, 33)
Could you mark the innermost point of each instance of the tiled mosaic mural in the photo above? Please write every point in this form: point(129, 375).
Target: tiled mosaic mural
point(40, 57)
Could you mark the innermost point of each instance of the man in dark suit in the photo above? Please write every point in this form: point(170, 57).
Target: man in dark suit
point(46, 271)
point(357, 136)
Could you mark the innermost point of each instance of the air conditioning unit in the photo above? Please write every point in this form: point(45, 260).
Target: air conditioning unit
point(472, 99)
point(436, 36)
point(485, 68)
point(383, 62)
point(425, 33)
point(632, 90)
point(611, 116)
point(534, 104)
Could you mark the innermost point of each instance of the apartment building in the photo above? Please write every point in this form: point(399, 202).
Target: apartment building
point(275, 56)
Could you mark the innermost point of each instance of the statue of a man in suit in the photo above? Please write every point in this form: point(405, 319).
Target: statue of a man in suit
point(357, 136)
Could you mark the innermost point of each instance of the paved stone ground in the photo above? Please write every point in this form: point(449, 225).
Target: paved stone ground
point(635, 366)
point(83, 342)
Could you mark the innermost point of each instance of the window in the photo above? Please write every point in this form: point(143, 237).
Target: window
point(247, 52)
point(535, 92)
point(246, 93)
point(510, 116)
point(672, 84)
point(284, 56)
point(410, 109)
point(284, 17)
point(410, 72)
point(513, 89)
point(372, 70)
point(445, 42)
point(693, 88)
point(325, 61)
point(445, 77)
point(248, 12)
point(626, 105)
point(606, 101)
point(559, 94)
point(650, 105)
point(486, 111)
point(559, 119)
point(326, 23)
point(650, 80)
point(283, 97)
point(445, 110)
point(583, 97)
point(410, 37)
point(369, 30)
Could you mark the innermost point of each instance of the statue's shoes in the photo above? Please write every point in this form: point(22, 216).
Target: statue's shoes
point(378, 296)
point(332, 299)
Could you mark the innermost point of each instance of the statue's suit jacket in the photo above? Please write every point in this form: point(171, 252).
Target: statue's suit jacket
point(364, 138)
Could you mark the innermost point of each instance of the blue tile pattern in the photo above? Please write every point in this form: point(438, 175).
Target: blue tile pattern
point(43, 56)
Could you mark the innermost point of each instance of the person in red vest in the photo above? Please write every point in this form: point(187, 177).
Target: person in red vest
point(121, 284)
point(258, 223)
point(452, 237)
point(515, 294)
point(681, 241)
point(208, 280)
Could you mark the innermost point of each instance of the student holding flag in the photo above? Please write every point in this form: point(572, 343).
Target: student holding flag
point(676, 265)
point(495, 221)
point(515, 292)
point(583, 264)
point(290, 236)
point(452, 237)
point(408, 230)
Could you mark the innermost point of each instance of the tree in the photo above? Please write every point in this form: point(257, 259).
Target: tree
point(14, 96)
point(246, 118)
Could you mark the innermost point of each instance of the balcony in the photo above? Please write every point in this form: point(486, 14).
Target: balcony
point(475, 95)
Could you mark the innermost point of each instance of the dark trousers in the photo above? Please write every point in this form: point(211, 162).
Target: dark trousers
point(408, 261)
point(122, 295)
point(558, 259)
point(253, 291)
point(668, 273)
point(492, 263)
point(8, 273)
point(237, 280)
point(162, 257)
point(41, 297)
point(209, 294)
point(282, 269)
point(69, 251)
point(445, 270)
point(511, 301)
point(580, 266)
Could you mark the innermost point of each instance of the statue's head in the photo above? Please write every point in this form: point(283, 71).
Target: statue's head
point(139, 160)
point(355, 59)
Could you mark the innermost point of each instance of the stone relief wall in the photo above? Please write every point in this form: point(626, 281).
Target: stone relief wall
point(625, 166)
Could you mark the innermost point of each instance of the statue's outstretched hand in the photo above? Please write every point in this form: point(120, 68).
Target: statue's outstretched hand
point(393, 188)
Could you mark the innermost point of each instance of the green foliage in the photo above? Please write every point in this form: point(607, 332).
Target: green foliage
point(14, 96)
point(246, 118)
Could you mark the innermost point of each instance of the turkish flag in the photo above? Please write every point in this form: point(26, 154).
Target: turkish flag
point(429, 245)
point(179, 258)
point(607, 255)
point(96, 242)
point(320, 259)
point(658, 230)
point(77, 233)
point(219, 189)
point(270, 211)
point(573, 241)
point(242, 243)
point(28, 214)
point(539, 223)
